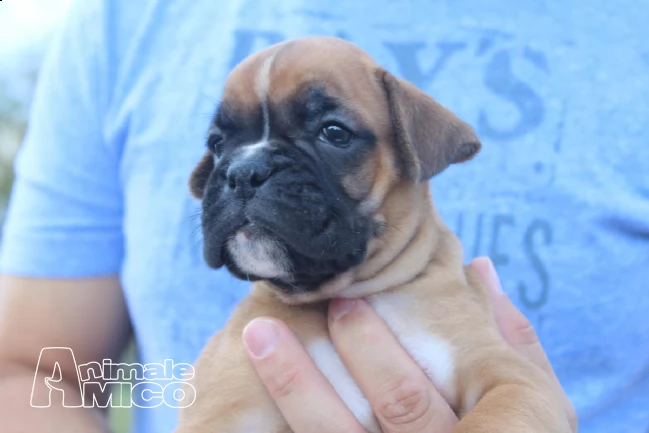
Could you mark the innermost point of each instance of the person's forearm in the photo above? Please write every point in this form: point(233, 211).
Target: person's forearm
point(17, 415)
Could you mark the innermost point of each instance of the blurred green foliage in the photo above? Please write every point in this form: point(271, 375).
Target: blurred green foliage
point(12, 131)
point(6, 179)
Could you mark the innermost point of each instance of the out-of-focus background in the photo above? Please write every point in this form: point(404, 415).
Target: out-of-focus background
point(26, 27)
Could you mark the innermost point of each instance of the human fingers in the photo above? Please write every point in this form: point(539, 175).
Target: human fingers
point(518, 331)
point(303, 395)
point(401, 395)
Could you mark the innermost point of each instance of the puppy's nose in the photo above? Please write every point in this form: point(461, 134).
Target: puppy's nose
point(246, 176)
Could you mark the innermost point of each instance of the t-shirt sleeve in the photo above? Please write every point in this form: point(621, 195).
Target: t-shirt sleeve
point(64, 218)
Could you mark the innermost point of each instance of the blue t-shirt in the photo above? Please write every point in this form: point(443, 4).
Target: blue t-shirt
point(558, 197)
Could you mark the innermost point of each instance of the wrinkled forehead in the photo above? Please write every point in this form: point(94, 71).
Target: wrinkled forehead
point(308, 72)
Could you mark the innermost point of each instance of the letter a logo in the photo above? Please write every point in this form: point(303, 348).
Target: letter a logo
point(55, 367)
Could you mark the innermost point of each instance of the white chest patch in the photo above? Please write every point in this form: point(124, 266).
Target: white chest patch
point(327, 360)
point(253, 422)
point(433, 354)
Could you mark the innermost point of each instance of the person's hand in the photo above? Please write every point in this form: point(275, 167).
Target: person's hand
point(518, 331)
point(401, 396)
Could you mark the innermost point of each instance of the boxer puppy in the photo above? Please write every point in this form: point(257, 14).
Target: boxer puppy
point(315, 185)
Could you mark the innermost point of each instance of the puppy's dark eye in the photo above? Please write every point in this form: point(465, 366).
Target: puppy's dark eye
point(336, 134)
point(214, 143)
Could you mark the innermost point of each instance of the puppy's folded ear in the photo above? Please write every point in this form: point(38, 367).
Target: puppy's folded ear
point(200, 175)
point(429, 136)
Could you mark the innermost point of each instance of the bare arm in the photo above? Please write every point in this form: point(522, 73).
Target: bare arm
point(87, 315)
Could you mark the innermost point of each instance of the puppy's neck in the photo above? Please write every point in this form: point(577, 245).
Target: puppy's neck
point(414, 240)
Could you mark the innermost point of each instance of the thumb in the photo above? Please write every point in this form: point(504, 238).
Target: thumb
point(513, 325)
point(518, 331)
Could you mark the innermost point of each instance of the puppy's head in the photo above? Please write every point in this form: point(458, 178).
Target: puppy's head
point(309, 139)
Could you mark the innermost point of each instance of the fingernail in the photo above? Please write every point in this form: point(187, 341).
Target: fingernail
point(260, 337)
point(340, 307)
point(494, 280)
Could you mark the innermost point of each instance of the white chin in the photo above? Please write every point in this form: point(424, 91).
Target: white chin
point(258, 255)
